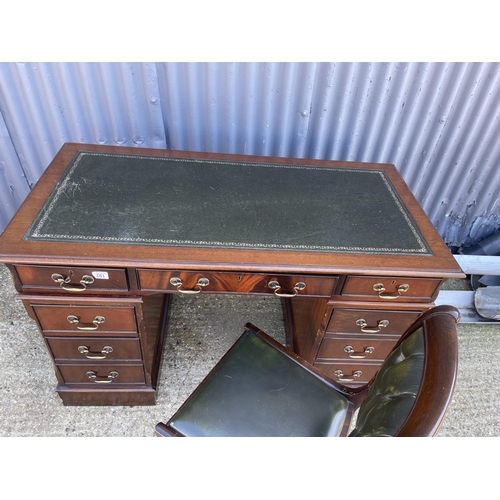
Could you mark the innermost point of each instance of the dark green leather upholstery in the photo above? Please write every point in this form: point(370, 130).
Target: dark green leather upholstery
point(393, 393)
point(149, 200)
point(256, 390)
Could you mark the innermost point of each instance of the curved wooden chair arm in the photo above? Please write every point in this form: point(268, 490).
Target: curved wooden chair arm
point(439, 373)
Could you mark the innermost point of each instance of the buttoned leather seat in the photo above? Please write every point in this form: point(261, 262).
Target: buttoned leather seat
point(260, 388)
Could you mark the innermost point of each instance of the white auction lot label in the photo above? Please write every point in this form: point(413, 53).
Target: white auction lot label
point(100, 275)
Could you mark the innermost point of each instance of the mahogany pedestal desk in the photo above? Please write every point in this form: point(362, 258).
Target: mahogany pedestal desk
point(109, 233)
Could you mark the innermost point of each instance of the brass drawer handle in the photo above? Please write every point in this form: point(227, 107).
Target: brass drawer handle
point(102, 380)
point(357, 355)
point(64, 282)
point(177, 282)
point(383, 323)
point(95, 355)
point(98, 320)
point(380, 288)
point(340, 375)
point(274, 285)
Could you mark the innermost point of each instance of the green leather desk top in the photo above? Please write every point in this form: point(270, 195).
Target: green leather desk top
point(149, 200)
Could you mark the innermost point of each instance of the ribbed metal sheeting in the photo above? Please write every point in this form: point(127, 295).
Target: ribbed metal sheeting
point(437, 122)
point(44, 105)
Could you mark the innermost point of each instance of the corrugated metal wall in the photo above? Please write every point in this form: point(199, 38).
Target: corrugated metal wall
point(437, 122)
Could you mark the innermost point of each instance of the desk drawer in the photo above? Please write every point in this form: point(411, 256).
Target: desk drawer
point(72, 279)
point(384, 288)
point(201, 281)
point(83, 320)
point(349, 348)
point(349, 374)
point(92, 349)
point(371, 321)
point(103, 374)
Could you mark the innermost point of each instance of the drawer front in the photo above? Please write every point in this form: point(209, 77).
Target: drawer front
point(196, 282)
point(385, 288)
point(103, 374)
point(355, 349)
point(94, 349)
point(371, 321)
point(349, 374)
point(72, 279)
point(83, 320)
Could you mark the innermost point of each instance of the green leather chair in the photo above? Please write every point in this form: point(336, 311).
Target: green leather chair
point(260, 388)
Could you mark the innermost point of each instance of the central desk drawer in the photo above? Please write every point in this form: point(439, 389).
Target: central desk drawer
point(92, 349)
point(82, 320)
point(102, 374)
point(286, 285)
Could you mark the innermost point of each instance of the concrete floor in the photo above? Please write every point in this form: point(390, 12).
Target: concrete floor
point(201, 329)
